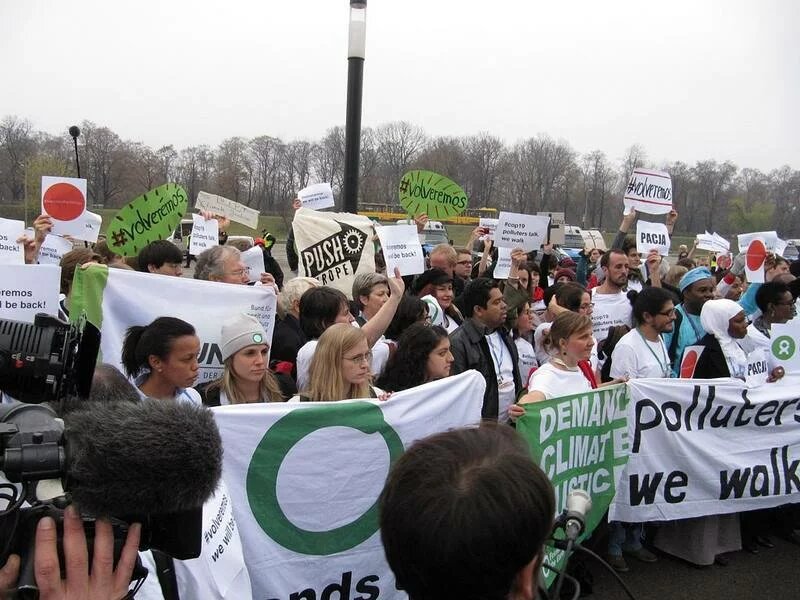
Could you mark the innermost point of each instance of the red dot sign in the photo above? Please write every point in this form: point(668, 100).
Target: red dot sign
point(756, 255)
point(689, 363)
point(63, 201)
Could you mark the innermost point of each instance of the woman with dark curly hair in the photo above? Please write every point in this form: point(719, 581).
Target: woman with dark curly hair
point(423, 355)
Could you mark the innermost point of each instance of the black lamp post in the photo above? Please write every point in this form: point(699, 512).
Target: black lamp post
point(355, 81)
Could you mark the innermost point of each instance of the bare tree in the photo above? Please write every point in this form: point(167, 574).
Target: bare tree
point(18, 146)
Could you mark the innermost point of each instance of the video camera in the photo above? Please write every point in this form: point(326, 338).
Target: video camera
point(45, 366)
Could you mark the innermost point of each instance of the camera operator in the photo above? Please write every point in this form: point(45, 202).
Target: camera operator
point(104, 583)
point(464, 515)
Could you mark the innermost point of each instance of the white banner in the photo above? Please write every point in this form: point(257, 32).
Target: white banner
point(652, 236)
point(502, 269)
point(649, 192)
point(770, 238)
point(227, 208)
point(516, 230)
point(401, 248)
point(29, 289)
point(333, 247)
point(708, 447)
point(305, 478)
point(115, 299)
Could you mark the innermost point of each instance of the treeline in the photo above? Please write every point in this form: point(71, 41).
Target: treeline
point(264, 172)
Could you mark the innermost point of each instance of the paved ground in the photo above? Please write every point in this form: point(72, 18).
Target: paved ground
point(771, 574)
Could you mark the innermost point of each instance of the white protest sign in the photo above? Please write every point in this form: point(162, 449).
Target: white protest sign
point(64, 200)
point(649, 192)
point(11, 253)
point(557, 229)
point(757, 368)
point(253, 260)
point(205, 234)
point(53, 248)
point(401, 249)
point(227, 208)
point(708, 447)
point(115, 299)
point(784, 345)
point(713, 242)
point(652, 236)
point(754, 261)
point(502, 268)
point(592, 238)
point(317, 196)
point(341, 451)
point(29, 289)
point(490, 225)
point(516, 230)
point(769, 238)
point(435, 312)
point(780, 246)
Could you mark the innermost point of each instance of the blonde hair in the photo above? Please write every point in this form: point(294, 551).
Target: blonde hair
point(445, 250)
point(291, 292)
point(326, 383)
point(269, 390)
point(674, 275)
point(565, 325)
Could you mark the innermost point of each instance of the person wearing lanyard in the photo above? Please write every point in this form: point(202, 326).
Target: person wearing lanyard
point(640, 353)
point(697, 287)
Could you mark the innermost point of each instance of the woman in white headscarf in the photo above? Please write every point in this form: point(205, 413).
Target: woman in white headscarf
point(725, 324)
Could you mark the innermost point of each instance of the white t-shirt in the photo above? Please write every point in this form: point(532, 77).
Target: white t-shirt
point(527, 358)
point(380, 354)
point(554, 382)
point(182, 394)
point(504, 368)
point(636, 357)
point(609, 309)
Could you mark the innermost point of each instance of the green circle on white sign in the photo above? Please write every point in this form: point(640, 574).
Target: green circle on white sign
point(262, 476)
point(783, 347)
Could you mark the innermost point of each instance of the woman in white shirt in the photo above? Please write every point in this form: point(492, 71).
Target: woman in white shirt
point(522, 333)
point(569, 343)
point(340, 368)
point(161, 358)
point(641, 352)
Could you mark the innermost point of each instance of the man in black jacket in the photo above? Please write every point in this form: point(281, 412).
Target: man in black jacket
point(482, 343)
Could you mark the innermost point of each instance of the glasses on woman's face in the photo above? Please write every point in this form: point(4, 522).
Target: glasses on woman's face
point(587, 305)
point(359, 358)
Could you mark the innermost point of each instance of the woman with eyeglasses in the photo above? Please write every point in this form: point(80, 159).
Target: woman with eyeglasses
point(641, 352)
point(777, 305)
point(340, 368)
point(224, 264)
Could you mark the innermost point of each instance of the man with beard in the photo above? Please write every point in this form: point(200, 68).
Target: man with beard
point(697, 287)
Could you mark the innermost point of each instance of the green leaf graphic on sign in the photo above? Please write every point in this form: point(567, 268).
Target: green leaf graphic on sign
point(150, 217)
point(430, 193)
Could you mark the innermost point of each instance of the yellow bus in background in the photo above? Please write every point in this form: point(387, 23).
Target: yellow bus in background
point(392, 213)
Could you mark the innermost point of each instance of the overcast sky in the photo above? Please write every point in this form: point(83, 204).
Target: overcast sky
point(688, 79)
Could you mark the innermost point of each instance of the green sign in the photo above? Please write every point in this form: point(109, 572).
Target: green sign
point(430, 193)
point(150, 217)
point(262, 475)
point(579, 441)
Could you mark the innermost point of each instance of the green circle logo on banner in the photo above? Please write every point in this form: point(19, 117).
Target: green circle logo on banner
point(262, 476)
point(150, 217)
point(430, 193)
point(783, 347)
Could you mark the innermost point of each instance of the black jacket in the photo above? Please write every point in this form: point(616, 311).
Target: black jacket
point(711, 363)
point(471, 351)
point(291, 250)
point(287, 339)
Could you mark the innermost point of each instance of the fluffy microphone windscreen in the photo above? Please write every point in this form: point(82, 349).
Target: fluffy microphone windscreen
point(149, 457)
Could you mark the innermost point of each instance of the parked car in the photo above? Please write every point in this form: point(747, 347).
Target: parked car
point(431, 236)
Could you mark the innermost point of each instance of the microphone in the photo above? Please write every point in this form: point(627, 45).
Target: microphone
point(579, 503)
point(148, 457)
